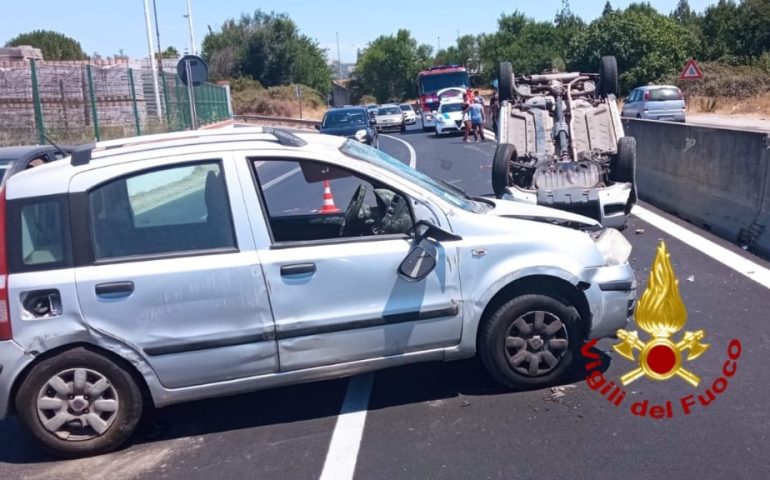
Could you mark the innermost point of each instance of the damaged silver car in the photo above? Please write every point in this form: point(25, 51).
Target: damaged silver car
point(561, 143)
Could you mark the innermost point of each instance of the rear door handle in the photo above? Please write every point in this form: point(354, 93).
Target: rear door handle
point(297, 269)
point(115, 289)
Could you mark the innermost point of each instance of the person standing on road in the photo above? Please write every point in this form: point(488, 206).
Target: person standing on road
point(476, 113)
point(494, 111)
point(477, 98)
point(466, 120)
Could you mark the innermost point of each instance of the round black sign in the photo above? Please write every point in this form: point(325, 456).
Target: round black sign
point(199, 71)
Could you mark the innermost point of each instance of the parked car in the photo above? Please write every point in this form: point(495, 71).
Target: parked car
point(17, 159)
point(656, 102)
point(350, 122)
point(410, 117)
point(177, 267)
point(389, 117)
point(449, 117)
point(561, 143)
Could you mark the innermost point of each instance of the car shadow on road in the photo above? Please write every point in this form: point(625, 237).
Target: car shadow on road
point(393, 387)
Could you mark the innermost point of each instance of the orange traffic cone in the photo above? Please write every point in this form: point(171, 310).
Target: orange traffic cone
point(328, 206)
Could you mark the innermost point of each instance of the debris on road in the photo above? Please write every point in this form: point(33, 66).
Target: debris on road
point(639, 231)
point(557, 393)
point(691, 278)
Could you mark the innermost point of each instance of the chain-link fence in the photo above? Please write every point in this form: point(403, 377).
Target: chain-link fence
point(74, 102)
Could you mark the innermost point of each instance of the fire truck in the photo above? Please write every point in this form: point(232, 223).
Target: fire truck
point(429, 85)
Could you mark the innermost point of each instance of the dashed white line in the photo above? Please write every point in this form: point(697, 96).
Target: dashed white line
point(341, 458)
point(742, 265)
point(412, 153)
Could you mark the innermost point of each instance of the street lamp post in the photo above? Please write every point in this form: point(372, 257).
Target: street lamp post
point(190, 27)
point(150, 48)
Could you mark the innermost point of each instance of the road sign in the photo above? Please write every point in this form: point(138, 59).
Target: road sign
point(199, 71)
point(691, 71)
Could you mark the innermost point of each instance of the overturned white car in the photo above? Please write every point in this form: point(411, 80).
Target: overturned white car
point(561, 143)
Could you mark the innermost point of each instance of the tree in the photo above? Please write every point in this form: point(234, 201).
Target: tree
point(648, 45)
point(267, 48)
point(169, 52)
point(722, 29)
point(388, 67)
point(607, 9)
point(54, 45)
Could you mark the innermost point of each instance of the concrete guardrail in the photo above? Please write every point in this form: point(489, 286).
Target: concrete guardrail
point(716, 178)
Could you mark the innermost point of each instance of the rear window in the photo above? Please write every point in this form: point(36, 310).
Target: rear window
point(663, 94)
point(38, 234)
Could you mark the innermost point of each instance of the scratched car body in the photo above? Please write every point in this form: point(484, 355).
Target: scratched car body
point(193, 265)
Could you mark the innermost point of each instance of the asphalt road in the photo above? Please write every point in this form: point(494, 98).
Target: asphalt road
point(449, 420)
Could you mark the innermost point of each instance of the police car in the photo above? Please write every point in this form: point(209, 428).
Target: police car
point(449, 117)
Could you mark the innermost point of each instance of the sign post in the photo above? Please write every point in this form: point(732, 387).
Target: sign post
point(691, 71)
point(299, 100)
point(192, 71)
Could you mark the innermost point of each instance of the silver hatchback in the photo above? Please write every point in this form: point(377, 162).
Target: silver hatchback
point(656, 102)
point(184, 266)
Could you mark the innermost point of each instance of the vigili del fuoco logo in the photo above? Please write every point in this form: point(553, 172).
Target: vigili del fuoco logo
point(661, 313)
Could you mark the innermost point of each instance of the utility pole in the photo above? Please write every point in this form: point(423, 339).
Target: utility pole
point(190, 27)
point(160, 50)
point(339, 58)
point(439, 44)
point(150, 49)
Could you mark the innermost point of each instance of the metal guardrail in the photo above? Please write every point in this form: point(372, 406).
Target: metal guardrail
point(277, 120)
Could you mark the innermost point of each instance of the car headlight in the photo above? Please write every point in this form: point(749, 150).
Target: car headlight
point(613, 246)
point(361, 135)
point(440, 120)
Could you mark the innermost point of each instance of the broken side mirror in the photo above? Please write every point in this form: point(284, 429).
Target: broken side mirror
point(419, 262)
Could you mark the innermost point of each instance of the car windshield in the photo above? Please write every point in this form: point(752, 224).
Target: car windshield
point(663, 94)
point(383, 160)
point(344, 118)
point(389, 111)
point(430, 84)
point(406, 108)
point(5, 164)
point(451, 107)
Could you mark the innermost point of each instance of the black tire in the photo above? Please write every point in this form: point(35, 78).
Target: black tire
point(127, 413)
point(497, 355)
point(505, 81)
point(504, 153)
point(608, 77)
point(623, 165)
point(403, 127)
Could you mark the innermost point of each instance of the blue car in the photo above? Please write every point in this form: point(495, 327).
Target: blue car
point(655, 102)
point(350, 122)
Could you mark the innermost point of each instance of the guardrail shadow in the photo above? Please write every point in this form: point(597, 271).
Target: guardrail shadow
point(392, 387)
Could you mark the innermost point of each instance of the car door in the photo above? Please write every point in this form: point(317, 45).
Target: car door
point(166, 265)
point(336, 295)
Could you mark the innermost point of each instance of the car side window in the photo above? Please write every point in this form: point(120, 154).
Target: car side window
point(310, 201)
point(172, 210)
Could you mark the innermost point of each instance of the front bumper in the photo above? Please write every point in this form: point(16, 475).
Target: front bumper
point(13, 359)
point(606, 205)
point(611, 296)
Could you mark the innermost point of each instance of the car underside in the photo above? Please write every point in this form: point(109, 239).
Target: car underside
point(561, 144)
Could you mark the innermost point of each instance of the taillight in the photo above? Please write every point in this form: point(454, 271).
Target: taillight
point(647, 95)
point(5, 314)
point(681, 95)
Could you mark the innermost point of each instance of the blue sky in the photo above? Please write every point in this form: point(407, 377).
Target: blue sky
point(107, 26)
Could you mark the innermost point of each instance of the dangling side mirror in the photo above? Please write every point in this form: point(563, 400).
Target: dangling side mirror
point(419, 262)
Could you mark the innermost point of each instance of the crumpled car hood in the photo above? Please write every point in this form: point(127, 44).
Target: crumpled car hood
point(538, 213)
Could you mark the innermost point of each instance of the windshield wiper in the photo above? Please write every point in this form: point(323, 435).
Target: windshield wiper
point(455, 188)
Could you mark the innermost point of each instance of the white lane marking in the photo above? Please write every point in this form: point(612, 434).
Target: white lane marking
point(412, 153)
point(742, 265)
point(341, 458)
point(280, 178)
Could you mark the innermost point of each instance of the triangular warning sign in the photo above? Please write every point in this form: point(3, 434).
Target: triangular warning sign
point(691, 71)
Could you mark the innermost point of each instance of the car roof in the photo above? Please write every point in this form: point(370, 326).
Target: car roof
point(342, 109)
point(54, 177)
point(656, 87)
point(389, 105)
point(24, 151)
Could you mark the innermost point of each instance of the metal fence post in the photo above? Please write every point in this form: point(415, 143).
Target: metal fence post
point(38, 108)
point(133, 101)
point(97, 132)
point(179, 116)
point(165, 99)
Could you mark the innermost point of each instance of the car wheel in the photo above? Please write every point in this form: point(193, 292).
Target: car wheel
point(608, 76)
point(79, 403)
point(403, 128)
point(501, 167)
point(623, 165)
point(530, 341)
point(505, 81)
